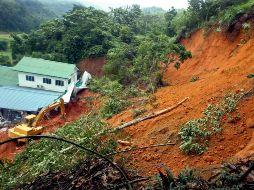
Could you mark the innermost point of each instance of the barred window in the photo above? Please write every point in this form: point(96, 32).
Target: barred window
point(59, 83)
point(29, 78)
point(46, 80)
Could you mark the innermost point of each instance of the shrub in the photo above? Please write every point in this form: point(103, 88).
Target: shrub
point(113, 106)
point(250, 76)
point(5, 60)
point(195, 133)
point(3, 46)
point(246, 27)
point(194, 78)
point(105, 86)
point(138, 112)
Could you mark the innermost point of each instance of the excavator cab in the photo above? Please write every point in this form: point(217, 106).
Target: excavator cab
point(29, 119)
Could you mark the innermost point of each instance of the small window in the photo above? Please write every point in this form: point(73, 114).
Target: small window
point(46, 80)
point(69, 81)
point(29, 78)
point(59, 83)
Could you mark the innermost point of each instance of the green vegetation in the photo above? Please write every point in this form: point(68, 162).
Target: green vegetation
point(250, 76)
point(81, 33)
point(195, 134)
point(47, 155)
point(115, 96)
point(133, 43)
point(5, 51)
point(138, 45)
point(202, 13)
point(166, 180)
point(3, 46)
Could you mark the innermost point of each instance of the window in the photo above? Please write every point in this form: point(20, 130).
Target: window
point(59, 83)
point(46, 80)
point(29, 78)
point(69, 81)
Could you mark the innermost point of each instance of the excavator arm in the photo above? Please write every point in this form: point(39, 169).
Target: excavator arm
point(45, 110)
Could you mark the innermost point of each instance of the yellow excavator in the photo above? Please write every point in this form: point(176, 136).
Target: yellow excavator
point(30, 126)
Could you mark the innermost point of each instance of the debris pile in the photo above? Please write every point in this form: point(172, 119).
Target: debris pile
point(92, 175)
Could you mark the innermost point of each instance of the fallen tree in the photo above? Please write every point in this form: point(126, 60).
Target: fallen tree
point(150, 116)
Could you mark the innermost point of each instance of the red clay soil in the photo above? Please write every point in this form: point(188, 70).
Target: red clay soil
point(94, 66)
point(222, 66)
point(74, 110)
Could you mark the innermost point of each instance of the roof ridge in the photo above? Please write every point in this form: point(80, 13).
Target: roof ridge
point(45, 67)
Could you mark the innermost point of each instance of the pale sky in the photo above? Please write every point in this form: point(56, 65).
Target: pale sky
point(165, 4)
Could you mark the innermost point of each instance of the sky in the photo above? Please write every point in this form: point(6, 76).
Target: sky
point(165, 4)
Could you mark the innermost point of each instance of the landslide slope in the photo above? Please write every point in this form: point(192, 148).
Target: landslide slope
point(222, 66)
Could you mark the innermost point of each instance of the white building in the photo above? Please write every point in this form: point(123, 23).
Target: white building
point(46, 75)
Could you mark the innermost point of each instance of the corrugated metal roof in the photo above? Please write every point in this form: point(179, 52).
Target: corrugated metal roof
point(8, 77)
point(26, 99)
point(45, 67)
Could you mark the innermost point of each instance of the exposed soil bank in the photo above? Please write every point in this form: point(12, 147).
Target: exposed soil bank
point(222, 66)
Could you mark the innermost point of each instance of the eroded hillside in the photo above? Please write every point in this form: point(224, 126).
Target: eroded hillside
point(222, 66)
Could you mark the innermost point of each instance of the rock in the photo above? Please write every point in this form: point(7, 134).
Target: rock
point(209, 159)
point(250, 123)
point(221, 139)
point(242, 147)
point(221, 148)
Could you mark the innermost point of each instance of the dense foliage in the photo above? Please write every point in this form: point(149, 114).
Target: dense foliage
point(203, 12)
point(134, 43)
point(81, 33)
point(3, 45)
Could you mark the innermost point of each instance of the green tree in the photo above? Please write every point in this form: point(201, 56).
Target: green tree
point(81, 33)
point(169, 16)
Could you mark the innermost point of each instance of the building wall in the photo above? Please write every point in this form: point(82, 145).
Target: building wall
point(38, 82)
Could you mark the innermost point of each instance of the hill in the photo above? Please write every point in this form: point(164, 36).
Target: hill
point(58, 7)
point(153, 10)
point(22, 15)
point(219, 74)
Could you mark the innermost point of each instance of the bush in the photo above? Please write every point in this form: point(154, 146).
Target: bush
point(113, 106)
point(138, 112)
point(195, 133)
point(105, 86)
point(3, 46)
point(5, 60)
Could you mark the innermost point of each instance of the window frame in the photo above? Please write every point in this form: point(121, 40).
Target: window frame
point(59, 83)
point(30, 78)
point(46, 80)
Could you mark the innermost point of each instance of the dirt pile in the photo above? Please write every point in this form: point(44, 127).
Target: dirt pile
point(222, 67)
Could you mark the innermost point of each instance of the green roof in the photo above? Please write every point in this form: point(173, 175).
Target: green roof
point(45, 67)
point(8, 77)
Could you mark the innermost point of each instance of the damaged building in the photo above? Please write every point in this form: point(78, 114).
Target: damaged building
point(34, 84)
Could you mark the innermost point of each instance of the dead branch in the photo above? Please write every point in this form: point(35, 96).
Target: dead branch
point(150, 116)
